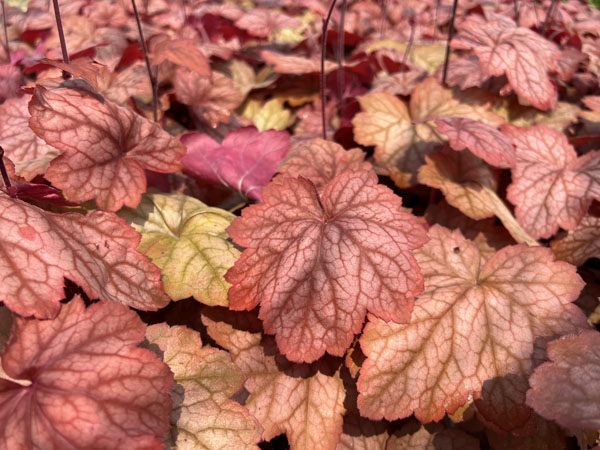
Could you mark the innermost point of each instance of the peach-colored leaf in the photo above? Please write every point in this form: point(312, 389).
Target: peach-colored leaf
point(522, 55)
point(303, 401)
point(294, 65)
point(39, 249)
point(105, 147)
point(83, 383)
point(461, 177)
point(182, 52)
point(481, 139)
point(245, 161)
point(263, 22)
point(551, 186)
point(566, 388)
point(401, 142)
point(579, 244)
point(475, 321)
point(321, 161)
point(463, 72)
point(317, 262)
point(30, 154)
point(203, 416)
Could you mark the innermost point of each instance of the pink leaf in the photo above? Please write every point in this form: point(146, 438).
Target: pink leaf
point(317, 263)
point(481, 139)
point(39, 249)
point(551, 186)
point(84, 383)
point(105, 147)
point(245, 161)
point(580, 243)
point(566, 388)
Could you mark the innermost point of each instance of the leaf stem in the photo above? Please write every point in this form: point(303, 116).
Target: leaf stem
point(61, 33)
point(450, 35)
point(549, 15)
point(383, 18)
point(5, 177)
point(411, 38)
point(507, 219)
point(323, 50)
point(5, 26)
point(340, 56)
point(153, 79)
point(516, 11)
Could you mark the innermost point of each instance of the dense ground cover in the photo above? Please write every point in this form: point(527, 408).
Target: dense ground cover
point(218, 239)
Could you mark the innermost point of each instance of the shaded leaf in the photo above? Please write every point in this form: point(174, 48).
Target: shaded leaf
point(481, 139)
point(580, 243)
point(105, 147)
point(473, 322)
point(317, 263)
point(430, 437)
point(566, 388)
point(303, 401)
point(522, 55)
point(39, 249)
point(321, 161)
point(87, 385)
point(547, 436)
point(187, 240)
point(203, 416)
point(245, 161)
point(551, 186)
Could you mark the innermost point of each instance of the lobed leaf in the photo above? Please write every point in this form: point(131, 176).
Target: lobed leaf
point(83, 383)
point(474, 321)
point(203, 416)
point(580, 243)
point(105, 147)
point(39, 249)
point(317, 262)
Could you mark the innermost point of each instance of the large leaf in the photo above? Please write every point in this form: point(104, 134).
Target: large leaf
point(566, 388)
point(187, 240)
point(83, 383)
point(475, 321)
point(245, 161)
point(303, 401)
point(522, 55)
point(105, 147)
point(551, 186)
point(39, 249)
point(317, 262)
point(203, 416)
point(403, 136)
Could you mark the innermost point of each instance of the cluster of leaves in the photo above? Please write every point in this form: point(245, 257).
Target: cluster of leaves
point(206, 247)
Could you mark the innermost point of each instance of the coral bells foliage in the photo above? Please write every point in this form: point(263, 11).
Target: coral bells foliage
point(249, 234)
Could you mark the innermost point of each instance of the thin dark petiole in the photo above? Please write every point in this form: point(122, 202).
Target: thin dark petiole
point(340, 55)
point(5, 26)
point(323, 50)
point(383, 16)
point(411, 39)
point(153, 81)
point(5, 178)
point(516, 11)
point(549, 15)
point(450, 35)
point(61, 33)
point(435, 18)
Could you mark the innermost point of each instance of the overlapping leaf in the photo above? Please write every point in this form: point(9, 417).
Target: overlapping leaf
point(321, 161)
point(304, 402)
point(84, 384)
point(203, 416)
point(187, 240)
point(317, 262)
point(39, 249)
point(566, 388)
point(473, 322)
point(551, 186)
point(431, 437)
point(245, 161)
point(401, 143)
point(522, 55)
point(105, 147)
point(580, 243)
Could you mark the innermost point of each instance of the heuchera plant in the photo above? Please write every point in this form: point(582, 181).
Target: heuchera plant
point(304, 224)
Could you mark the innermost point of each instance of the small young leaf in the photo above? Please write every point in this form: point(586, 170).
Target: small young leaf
point(187, 240)
point(473, 322)
point(317, 262)
point(83, 383)
point(551, 186)
point(203, 415)
point(105, 147)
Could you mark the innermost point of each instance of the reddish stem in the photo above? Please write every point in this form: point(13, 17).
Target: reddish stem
point(450, 35)
point(153, 79)
point(411, 39)
point(61, 33)
point(323, 50)
point(7, 182)
point(516, 11)
point(340, 71)
point(5, 26)
point(549, 15)
point(435, 18)
point(383, 17)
